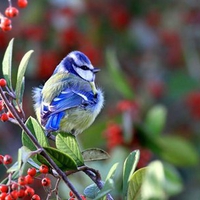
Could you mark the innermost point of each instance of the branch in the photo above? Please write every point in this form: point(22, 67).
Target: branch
point(12, 109)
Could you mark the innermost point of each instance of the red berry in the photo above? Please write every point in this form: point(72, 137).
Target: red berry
point(35, 197)
point(3, 188)
point(22, 3)
point(14, 186)
point(2, 82)
point(29, 179)
point(21, 193)
point(31, 171)
point(4, 117)
point(44, 169)
point(71, 194)
point(9, 197)
point(7, 160)
point(5, 21)
point(46, 182)
point(14, 194)
point(29, 191)
point(1, 159)
point(3, 195)
point(6, 28)
point(11, 11)
point(21, 180)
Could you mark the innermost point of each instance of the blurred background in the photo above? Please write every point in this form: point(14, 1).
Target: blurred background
point(149, 55)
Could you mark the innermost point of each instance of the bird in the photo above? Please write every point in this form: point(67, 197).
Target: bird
point(69, 100)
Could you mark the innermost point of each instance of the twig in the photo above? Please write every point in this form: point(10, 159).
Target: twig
point(37, 145)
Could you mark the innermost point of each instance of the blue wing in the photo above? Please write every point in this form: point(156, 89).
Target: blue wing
point(52, 114)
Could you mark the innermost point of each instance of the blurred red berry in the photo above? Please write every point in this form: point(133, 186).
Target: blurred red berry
point(5, 21)
point(22, 3)
point(11, 11)
point(4, 117)
point(14, 186)
point(2, 82)
point(46, 181)
point(193, 103)
point(71, 194)
point(10, 115)
point(7, 159)
point(29, 179)
point(119, 17)
point(21, 180)
point(35, 197)
point(3, 188)
point(1, 159)
point(3, 195)
point(44, 169)
point(32, 171)
point(9, 197)
point(21, 193)
point(145, 157)
point(6, 28)
point(113, 135)
point(29, 191)
point(14, 194)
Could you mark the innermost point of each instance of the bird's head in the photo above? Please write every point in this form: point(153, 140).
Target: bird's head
point(79, 64)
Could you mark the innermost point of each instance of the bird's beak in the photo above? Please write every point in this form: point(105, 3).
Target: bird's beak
point(95, 70)
point(94, 89)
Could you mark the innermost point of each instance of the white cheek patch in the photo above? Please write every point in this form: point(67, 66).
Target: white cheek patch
point(85, 74)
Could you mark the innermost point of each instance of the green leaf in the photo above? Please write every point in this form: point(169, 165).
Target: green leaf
point(112, 171)
point(94, 154)
point(173, 182)
point(120, 82)
point(7, 63)
point(67, 144)
point(179, 84)
point(62, 160)
point(156, 119)
point(153, 182)
point(108, 186)
point(20, 74)
point(177, 150)
point(91, 191)
point(129, 167)
point(37, 132)
point(135, 185)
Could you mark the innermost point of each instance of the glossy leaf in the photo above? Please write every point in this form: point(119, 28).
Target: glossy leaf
point(153, 182)
point(7, 63)
point(62, 160)
point(94, 154)
point(128, 169)
point(37, 131)
point(135, 185)
point(20, 74)
point(156, 119)
point(117, 75)
point(67, 143)
point(177, 151)
point(112, 171)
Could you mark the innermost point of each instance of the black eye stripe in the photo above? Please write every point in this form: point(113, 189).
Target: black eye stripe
point(84, 67)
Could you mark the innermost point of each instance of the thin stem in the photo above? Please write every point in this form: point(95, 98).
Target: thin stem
point(37, 145)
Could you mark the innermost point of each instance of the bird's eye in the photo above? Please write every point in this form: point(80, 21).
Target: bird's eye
point(84, 67)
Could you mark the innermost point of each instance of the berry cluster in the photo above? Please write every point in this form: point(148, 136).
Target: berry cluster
point(5, 114)
point(10, 12)
point(21, 188)
point(72, 196)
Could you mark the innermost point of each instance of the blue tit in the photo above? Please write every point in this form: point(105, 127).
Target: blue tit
point(69, 100)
